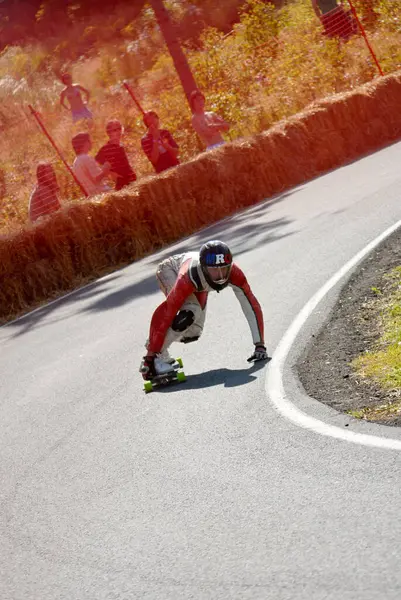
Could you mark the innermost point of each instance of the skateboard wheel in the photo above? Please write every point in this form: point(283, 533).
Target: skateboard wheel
point(179, 361)
point(148, 386)
point(181, 376)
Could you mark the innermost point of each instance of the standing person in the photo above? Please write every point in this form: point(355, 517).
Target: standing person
point(158, 144)
point(207, 125)
point(44, 198)
point(85, 167)
point(186, 280)
point(73, 94)
point(114, 153)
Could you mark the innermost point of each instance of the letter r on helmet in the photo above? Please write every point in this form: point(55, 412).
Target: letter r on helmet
point(220, 259)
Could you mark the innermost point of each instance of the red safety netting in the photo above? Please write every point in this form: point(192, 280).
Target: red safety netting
point(339, 22)
point(349, 19)
point(33, 178)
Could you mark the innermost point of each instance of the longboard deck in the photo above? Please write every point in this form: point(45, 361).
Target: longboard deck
point(176, 374)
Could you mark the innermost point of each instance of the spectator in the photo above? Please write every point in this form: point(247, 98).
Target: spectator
point(86, 169)
point(114, 153)
point(158, 144)
point(207, 125)
point(336, 21)
point(72, 93)
point(44, 198)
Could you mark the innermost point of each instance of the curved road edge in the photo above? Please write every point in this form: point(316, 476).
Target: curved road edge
point(283, 387)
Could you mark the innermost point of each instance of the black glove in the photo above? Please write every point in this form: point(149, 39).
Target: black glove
point(147, 368)
point(259, 354)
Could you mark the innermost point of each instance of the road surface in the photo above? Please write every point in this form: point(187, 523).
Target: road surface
point(203, 490)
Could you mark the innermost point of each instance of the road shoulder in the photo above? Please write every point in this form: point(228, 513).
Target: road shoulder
point(324, 368)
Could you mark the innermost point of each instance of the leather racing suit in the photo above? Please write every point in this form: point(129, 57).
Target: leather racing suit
point(181, 279)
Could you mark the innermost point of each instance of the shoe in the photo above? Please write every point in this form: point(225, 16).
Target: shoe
point(165, 356)
point(162, 367)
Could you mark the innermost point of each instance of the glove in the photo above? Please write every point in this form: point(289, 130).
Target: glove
point(147, 368)
point(259, 354)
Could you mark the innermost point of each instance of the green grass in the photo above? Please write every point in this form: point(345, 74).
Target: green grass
point(382, 364)
point(381, 412)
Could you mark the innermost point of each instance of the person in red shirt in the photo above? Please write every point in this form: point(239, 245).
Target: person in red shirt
point(158, 144)
point(186, 280)
point(44, 198)
point(114, 153)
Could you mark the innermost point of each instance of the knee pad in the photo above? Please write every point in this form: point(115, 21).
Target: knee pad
point(183, 320)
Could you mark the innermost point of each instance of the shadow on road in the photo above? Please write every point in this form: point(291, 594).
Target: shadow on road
point(242, 239)
point(227, 377)
point(31, 320)
point(243, 232)
point(144, 287)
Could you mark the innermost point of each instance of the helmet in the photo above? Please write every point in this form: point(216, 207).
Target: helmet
point(216, 261)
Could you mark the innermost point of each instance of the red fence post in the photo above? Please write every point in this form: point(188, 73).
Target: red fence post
point(131, 93)
point(53, 143)
point(361, 27)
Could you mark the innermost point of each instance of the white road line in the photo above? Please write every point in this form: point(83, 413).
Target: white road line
point(274, 381)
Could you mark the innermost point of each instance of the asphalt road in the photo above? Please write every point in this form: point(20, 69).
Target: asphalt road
point(203, 490)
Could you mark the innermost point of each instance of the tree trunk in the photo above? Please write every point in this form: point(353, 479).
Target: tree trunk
point(180, 62)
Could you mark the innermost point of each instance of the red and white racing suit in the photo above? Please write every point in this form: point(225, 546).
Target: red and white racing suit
point(182, 281)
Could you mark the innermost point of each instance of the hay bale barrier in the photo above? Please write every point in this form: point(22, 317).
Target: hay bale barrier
point(84, 241)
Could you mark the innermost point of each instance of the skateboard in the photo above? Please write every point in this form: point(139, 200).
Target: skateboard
point(176, 374)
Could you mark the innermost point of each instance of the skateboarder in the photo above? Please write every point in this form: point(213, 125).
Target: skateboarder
point(186, 280)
